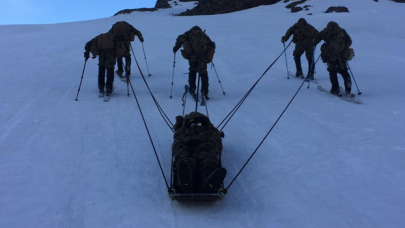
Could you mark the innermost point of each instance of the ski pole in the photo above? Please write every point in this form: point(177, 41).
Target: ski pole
point(147, 67)
point(198, 88)
point(174, 65)
point(286, 64)
point(358, 91)
point(317, 59)
point(316, 62)
point(81, 80)
point(184, 99)
point(213, 65)
point(199, 79)
point(127, 77)
point(313, 62)
point(206, 105)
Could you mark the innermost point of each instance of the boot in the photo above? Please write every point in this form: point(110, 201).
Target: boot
point(347, 81)
point(109, 91)
point(297, 61)
point(213, 182)
point(185, 177)
point(119, 73)
point(205, 94)
point(127, 73)
point(335, 83)
point(119, 65)
point(336, 92)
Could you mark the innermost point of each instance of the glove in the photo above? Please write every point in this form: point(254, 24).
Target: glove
point(94, 56)
point(175, 49)
point(141, 39)
point(86, 55)
point(222, 134)
point(283, 39)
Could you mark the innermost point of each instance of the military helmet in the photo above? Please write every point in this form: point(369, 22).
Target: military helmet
point(196, 117)
point(302, 20)
point(196, 28)
point(332, 24)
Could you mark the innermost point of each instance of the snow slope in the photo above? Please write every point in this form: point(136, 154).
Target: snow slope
point(87, 163)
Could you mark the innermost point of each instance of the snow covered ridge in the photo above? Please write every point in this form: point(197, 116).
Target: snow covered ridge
point(89, 164)
point(128, 11)
point(209, 7)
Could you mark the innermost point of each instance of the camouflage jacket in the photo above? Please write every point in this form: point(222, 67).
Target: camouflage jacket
point(300, 32)
point(129, 32)
point(187, 37)
point(328, 35)
point(94, 47)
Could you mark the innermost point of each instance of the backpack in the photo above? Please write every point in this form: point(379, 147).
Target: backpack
point(209, 54)
point(336, 47)
point(103, 42)
point(106, 41)
point(348, 54)
point(199, 43)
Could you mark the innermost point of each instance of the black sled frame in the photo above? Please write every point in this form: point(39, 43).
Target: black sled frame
point(197, 196)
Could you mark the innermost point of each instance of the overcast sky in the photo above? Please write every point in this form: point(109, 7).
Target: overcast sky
point(56, 11)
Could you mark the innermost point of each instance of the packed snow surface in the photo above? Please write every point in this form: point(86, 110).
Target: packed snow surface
point(88, 163)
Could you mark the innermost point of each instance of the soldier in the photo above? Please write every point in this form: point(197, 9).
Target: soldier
point(199, 50)
point(335, 54)
point(303, 35)
point(107, 47)
point(125, 34)
point(196, 149)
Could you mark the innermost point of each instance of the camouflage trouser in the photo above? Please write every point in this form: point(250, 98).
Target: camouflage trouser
point(107, 58)
point(201, 157)
point(127, 46)
point(127, 64)
point(192, 78)
point(336, 64)
point(106, 61)
point(101, 78)
point(335, 83)
point(196, 65)
point(304, 45)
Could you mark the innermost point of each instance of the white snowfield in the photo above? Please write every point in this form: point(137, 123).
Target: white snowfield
point(88, 163)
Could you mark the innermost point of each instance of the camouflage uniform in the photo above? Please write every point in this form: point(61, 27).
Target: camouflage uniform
point(106, 61)
point(124, 36)
point(198, 144)
point(197, 61)
point(303, 35)
point(335, 61)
